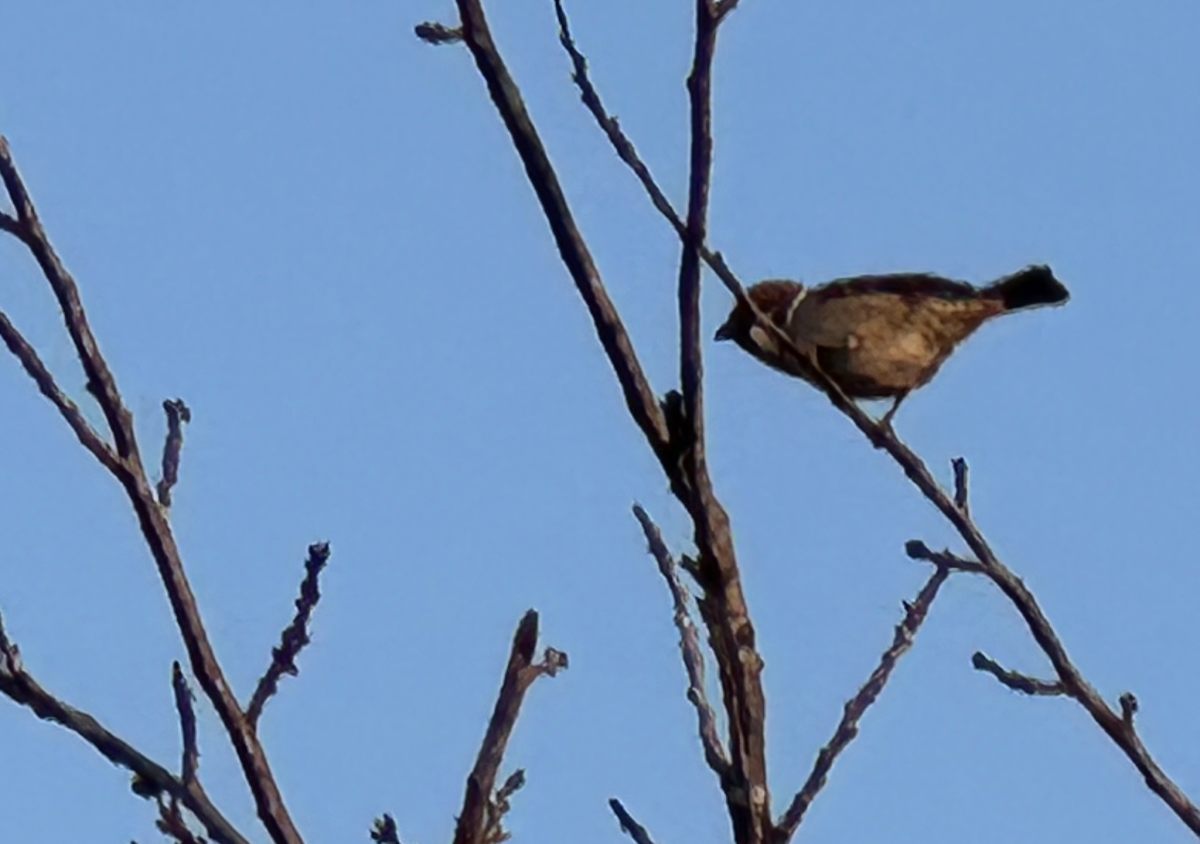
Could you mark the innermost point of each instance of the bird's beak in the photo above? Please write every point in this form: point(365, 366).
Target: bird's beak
point(725, 332)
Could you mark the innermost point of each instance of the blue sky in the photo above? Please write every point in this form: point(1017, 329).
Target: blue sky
point(313, 228)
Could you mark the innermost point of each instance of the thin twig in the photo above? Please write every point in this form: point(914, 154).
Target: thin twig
point(187, 724)
point(150, 778)
point(178, 414)
point(1015, 680)
point(432, 32)
point(918, 550)
point(171, 822)
point(478, 804)
point(689, 646)
point(639, 397)
point(131, 473)
point(384, 830)
point(961, 491)
point(629, 826)
point(847, 728)
point(84, 432)
point(294, 637)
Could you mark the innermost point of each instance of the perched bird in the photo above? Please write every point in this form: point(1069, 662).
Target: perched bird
point(880, 336)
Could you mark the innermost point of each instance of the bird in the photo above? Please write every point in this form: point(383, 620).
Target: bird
point(879, 336)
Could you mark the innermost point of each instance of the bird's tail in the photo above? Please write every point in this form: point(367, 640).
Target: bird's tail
point(1028, 288)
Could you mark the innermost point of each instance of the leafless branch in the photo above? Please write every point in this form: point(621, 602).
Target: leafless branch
point(1015, 680)
point(131, 473)
point(961, 491)
point(847, 729)
point(629, 826)
point(187, 724)
point(150, 778)
point(84, 432)
point(1129, 708)
point(918, 550)
point(384, 831)
point(432, 32)
point(178, 414)
point(171, 822)
point(689, 646)
point(295, 635)
point(480, 811)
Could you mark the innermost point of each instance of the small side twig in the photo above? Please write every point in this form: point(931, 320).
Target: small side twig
point(1129, 708)
point(294, 637)
point(432, 32)
point(1015, 680)
point(629, 826)
point(918, 550)
point(847, 728)
point(961, 476)
point(178, 414)
point(689, 645)
point(150, 778)
point(480, 808)
point(384, 830)
point(170, 822)
point(187, 724)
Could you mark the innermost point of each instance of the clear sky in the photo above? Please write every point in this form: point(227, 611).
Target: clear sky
point(313, 228)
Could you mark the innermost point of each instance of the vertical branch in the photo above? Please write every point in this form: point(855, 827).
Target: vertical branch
point(480, 814)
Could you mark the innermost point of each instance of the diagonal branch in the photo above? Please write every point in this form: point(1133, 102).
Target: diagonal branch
point(295, 635)
point(856, 707)
point(639, 397)
point(636, 832)
point(150, 778)
point(131, 473)
point(689, 646)
point(84, 432)
point(1015, 680)
point(190, 762)
point(480, 814)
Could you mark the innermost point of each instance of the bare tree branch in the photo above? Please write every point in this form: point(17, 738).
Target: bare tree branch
point(131, 473)
point(961, 477)
point(384, 831)
point(150, 778)
point(178, 414)
point(481, 813)
point(295, 635)
point(639, 397)
point(187, 724)
point(432, 32)
point(84, 432)
point(1015, 680)
point(856, 707)
point(689, 646)
point(629, 826)
point(918, 550)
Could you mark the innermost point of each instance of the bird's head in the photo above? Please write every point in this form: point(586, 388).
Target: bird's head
point(772, 298)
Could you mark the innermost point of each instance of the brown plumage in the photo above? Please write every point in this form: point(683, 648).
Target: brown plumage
point(881, 336)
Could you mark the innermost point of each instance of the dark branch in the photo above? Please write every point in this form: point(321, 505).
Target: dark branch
point(178, 414)
point(432, 32)
point(1015, 680)
point(156, 530)
point(384, 830)
point(150, 778)
point(639, 397)
point(629, 826)
point(480, 811)
point(295, 636)
point(84, 432)
point(689, 646)
point(856, 707)
point(961, 491)
point(187, 724)
point(918, 550)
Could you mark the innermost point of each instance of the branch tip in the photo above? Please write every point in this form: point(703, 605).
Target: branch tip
point(432, 32)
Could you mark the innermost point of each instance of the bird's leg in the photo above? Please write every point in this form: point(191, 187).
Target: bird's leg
point(886, 419)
